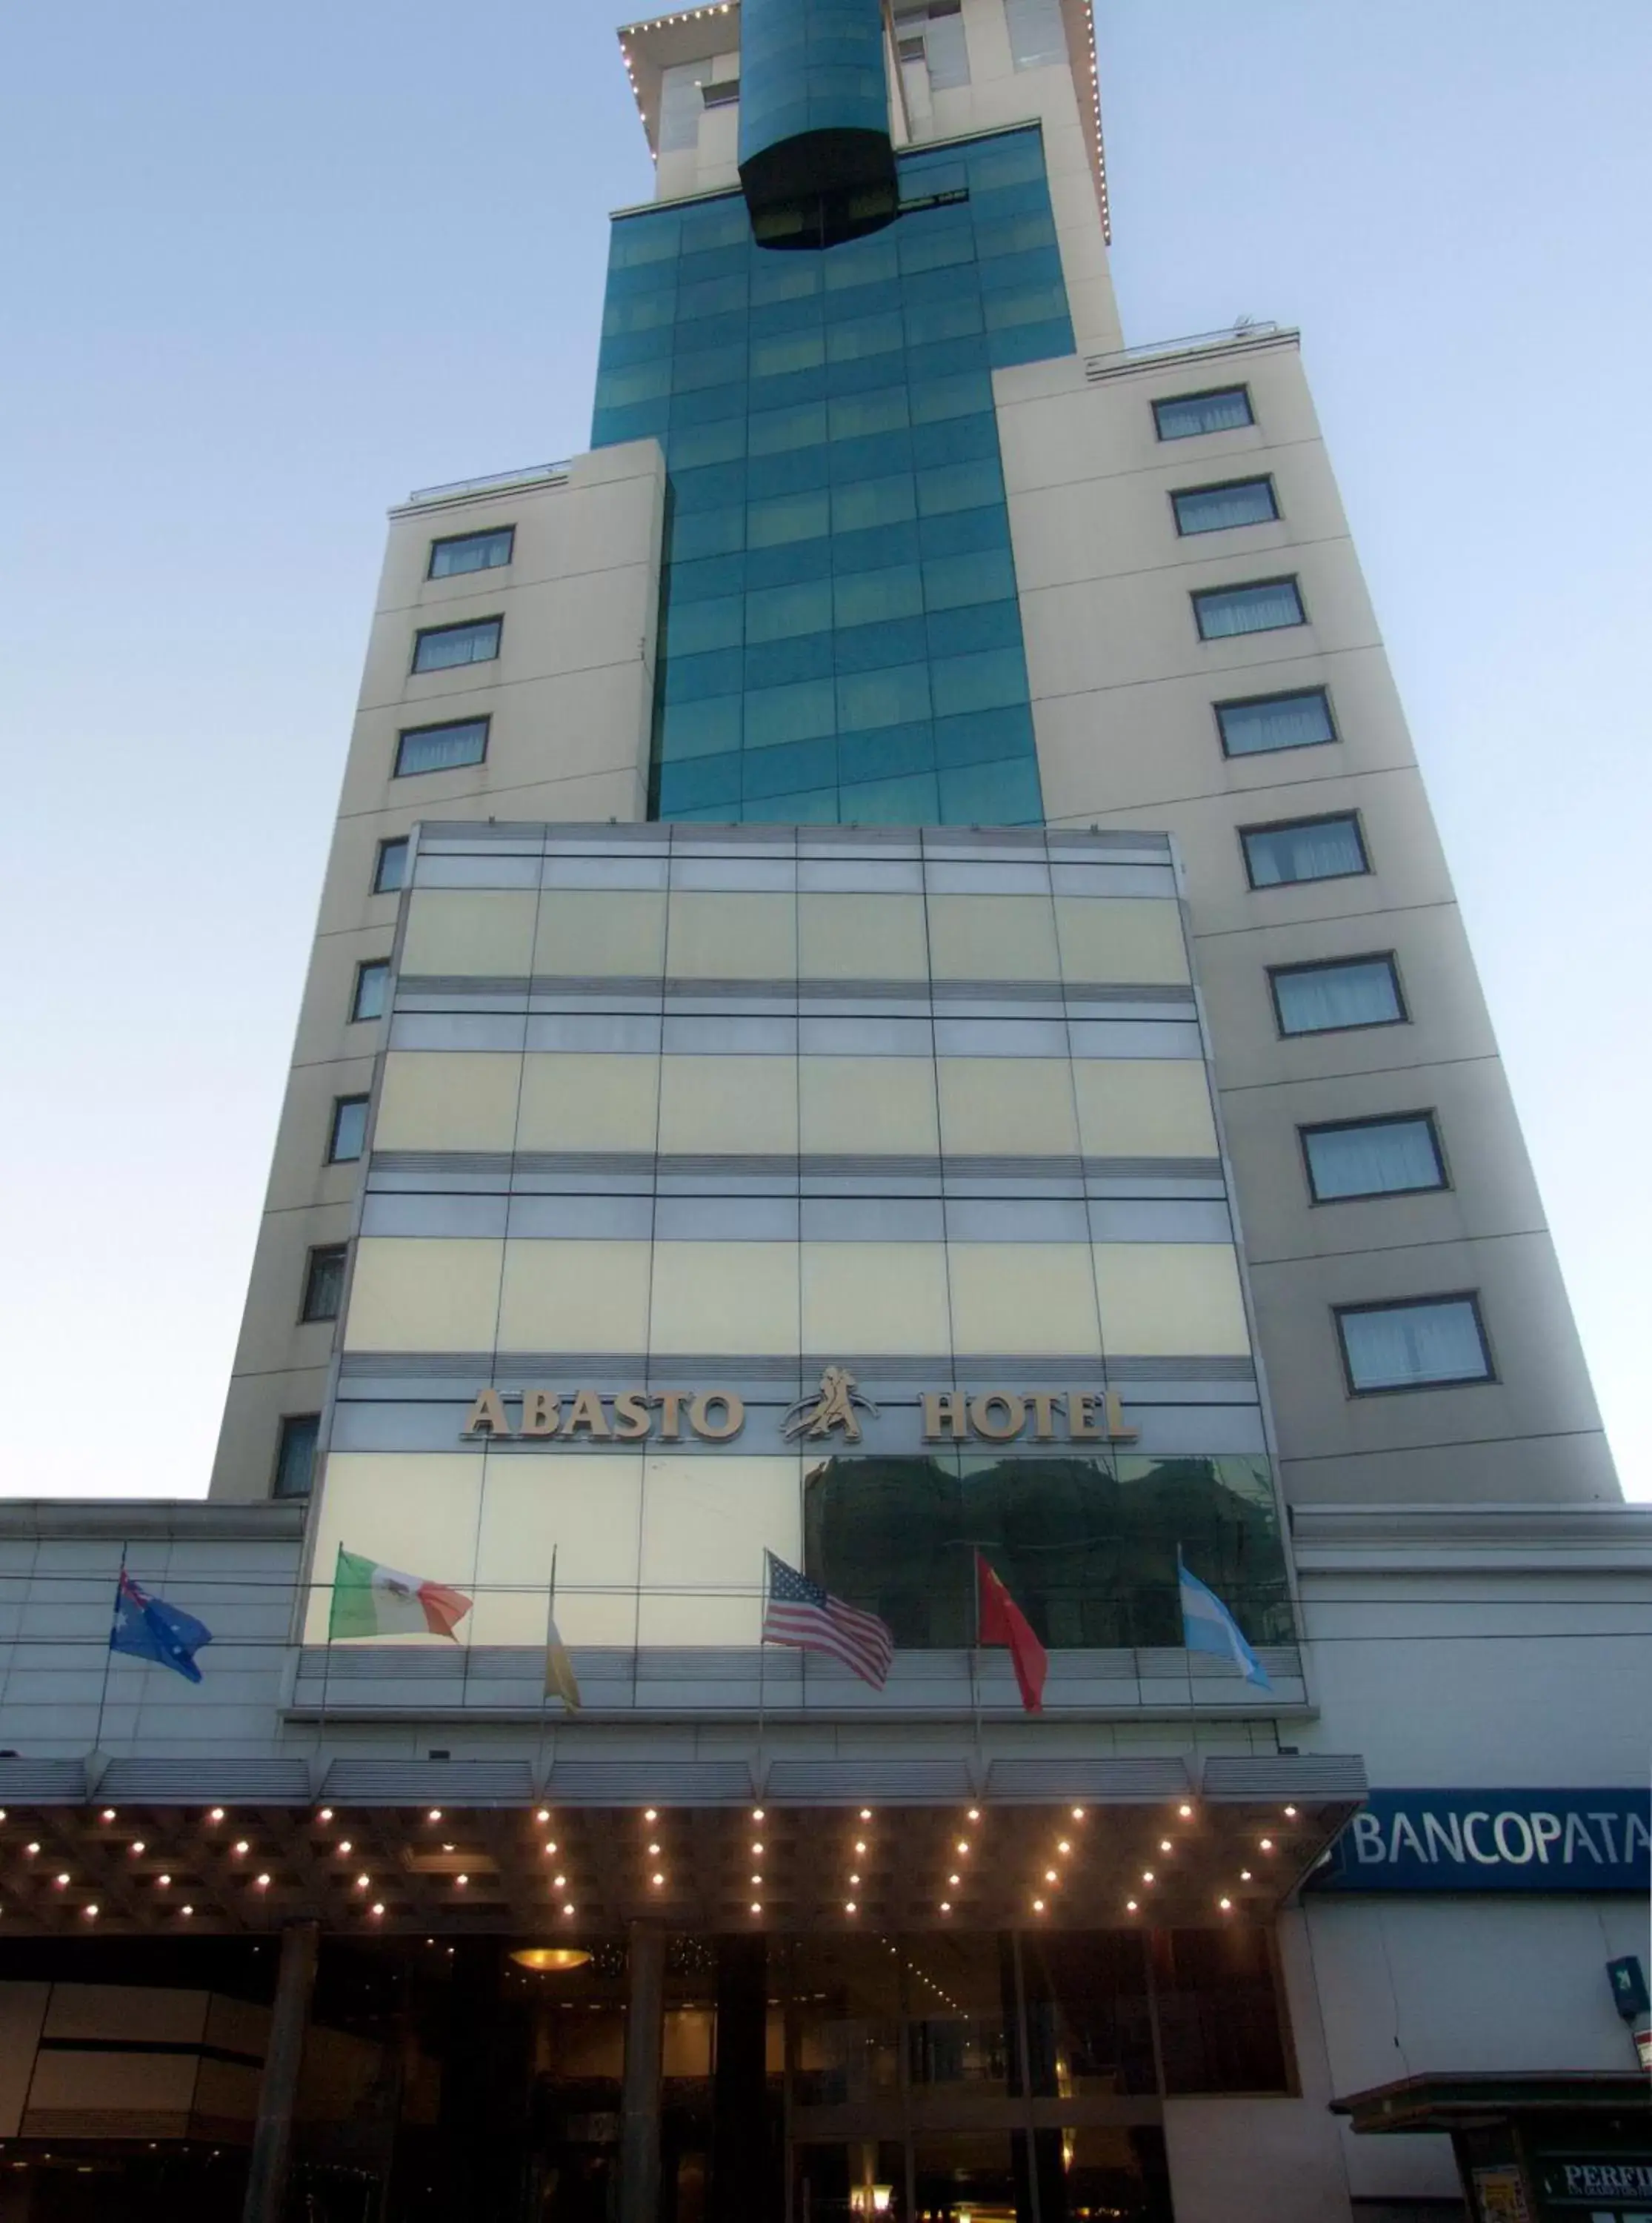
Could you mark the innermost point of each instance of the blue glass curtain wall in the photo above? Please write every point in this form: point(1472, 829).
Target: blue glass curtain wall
point(840, 637)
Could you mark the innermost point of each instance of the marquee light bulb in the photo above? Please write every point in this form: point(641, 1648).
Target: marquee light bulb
point(1184, 1811)
point(326, 1814)
point(865, 1813)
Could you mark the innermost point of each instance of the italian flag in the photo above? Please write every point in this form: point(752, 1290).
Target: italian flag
point(373, 1599)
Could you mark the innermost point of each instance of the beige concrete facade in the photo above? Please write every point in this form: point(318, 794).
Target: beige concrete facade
point(1123, 691)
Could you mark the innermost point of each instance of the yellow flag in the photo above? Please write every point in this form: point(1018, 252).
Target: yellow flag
point(560, 1681)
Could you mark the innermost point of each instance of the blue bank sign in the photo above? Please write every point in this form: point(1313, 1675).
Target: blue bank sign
point(1495, 1840)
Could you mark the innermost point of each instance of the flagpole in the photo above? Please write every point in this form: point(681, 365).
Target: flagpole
point(975, 1653)
point(109, 1657)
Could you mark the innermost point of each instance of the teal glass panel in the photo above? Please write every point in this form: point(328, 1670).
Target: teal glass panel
point(776, 612)
point(883, 752)
point(840, 635)
point(863, 598)
point(705, 728)
point(984, 736)
point(863, 503)
point(773, 662)
point(890, 697)
point(951, 581)
point(869, 647)
point(693, 626)
point(801, 712)
point(993, 794)
point(986, 681)
point(914, 801)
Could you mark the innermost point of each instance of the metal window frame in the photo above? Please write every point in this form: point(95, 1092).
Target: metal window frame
point(365, 965)
point(283, 1426)
point(340, 1104)
point(1281, 695)
point(1469, 1297)
point(460, 624)
point(1431, 1119)
point(1291, 825)
point(1292, 579)
point(1277, 973)
point(1179, 494)
point(387, 842)
point(404, 733)
point(312, 1256)
point(453, 540)
point(1203, 393)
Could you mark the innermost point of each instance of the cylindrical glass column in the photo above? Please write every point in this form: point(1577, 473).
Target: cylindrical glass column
point(816, 164)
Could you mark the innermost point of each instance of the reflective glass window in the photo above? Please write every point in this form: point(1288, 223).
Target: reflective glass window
point(1220, 508)
point(372, 983)
point(438, 648)
point(1355, 991)
point(440, 749)
point(471, 551)
point(1224, 611)
point(390, 866)
point(347, 1137)
point(1185, 414)
point(1372, 1158)
point(295, 1454)
point(1428, 1342)
point(1305, 849)
point(1297, 720)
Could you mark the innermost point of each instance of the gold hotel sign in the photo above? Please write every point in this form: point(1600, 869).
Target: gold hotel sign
point(950, 1416)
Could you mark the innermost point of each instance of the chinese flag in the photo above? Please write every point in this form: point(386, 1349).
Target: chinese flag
point(1001, 1621)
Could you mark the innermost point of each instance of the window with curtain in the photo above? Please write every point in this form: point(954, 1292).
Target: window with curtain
point(1354, 991)
point(1297, 720)
point(1036, 37)
point(1415, 1346)
point(371, 980)
point(1223, 409)
point(323, 1282)
point(1372, 1158)
point(438, 648)
point(295, 1454)
point(390, 866)
point(348, 1137)
point(1219, 508)
point(1304, 849)
point(440, 749)
point(471, 551)
point(1224, 611)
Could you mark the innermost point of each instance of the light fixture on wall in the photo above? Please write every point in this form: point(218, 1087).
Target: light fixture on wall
point(549, 1960)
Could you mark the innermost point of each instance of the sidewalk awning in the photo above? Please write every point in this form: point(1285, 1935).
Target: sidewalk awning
point(1480, 2101)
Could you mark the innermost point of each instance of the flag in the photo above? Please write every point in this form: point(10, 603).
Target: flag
point(148, 1628)
point(800, 1612)
point(1207, 1625)
point(1001, 1621)
point(560, 1679)
point(371, 1600)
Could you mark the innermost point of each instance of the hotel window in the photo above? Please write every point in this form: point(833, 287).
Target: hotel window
point(439, 648)
point(1372, 1158)
point(440, 749)
point(295, 1454)
point(1219, 508)
point(471, 551)
point(1298, 720)
point(323, 1282)
point(1264, 607)
point(1351, 992)
point(390, 865)
point(1330, 849)
point(934, 37)
point(1223, 409)
point(348, 1137)
point(1035, 33)
point(372, 979)
point(1422, 1343)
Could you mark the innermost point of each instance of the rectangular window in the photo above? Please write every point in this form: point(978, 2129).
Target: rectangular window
point(323, 1282)
point(390, 866)
point(372, 979)
point(295, 1454)
point(1270, 604)
point(1421, 1343)
point(934, 37)
point(348, 1134)
point(471, 551)
point(1372, 1158)
point(1223, 409)
point(439, 648)
point(1035, 33)
point(1297, 721)
point(1352, 992)
point(440, 749)
point(1328, 848)
point(1219, 508)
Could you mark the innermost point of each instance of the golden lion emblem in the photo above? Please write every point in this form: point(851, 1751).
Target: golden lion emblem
point(834, 1408)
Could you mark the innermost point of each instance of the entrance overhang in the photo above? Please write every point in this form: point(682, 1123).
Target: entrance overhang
point(797, 1845)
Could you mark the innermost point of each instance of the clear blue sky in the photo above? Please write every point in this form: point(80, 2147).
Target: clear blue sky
point(267, 268)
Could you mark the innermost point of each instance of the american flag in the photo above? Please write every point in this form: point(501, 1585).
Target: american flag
point(800, 1612)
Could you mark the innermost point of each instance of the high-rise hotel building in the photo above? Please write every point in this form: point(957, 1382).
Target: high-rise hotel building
point(886, 997)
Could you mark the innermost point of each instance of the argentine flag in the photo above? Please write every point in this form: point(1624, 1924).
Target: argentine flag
point(1207, 1625)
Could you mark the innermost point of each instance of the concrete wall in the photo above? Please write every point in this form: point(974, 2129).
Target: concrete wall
point(570, 697)
point(1123, 691)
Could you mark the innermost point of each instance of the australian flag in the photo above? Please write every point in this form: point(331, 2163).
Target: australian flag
point(149, 1628)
